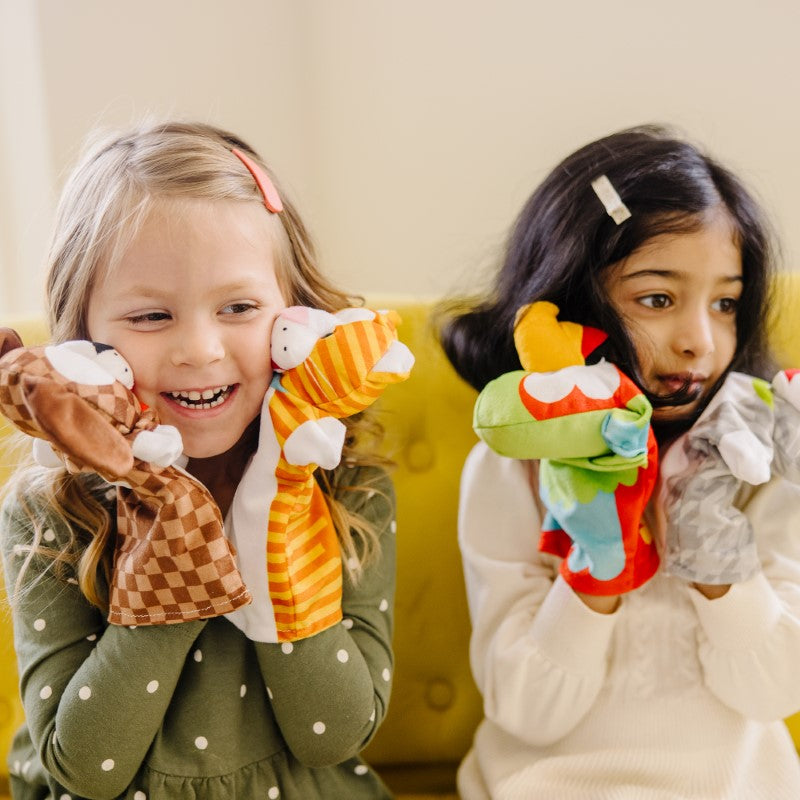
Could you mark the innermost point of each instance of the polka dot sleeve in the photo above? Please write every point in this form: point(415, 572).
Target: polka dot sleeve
point(94, 695)
point(329, 692)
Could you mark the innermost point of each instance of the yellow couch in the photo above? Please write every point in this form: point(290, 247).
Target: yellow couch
point(435, 706)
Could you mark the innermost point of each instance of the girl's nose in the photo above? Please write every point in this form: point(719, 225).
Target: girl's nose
point(693, 334)
point(197, 346)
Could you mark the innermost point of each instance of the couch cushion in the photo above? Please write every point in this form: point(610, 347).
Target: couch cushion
point(435, 705)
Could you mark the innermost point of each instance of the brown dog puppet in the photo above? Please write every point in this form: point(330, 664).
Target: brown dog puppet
point(172, 561)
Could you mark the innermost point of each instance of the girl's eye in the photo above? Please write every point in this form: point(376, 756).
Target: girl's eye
point(238, 308)
point(149, 317)
point(726, 305)
point(656, 301)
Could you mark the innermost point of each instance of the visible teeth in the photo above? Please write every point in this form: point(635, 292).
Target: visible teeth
point(212, 397)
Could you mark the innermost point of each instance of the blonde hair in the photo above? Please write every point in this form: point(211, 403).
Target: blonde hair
point(104, 202)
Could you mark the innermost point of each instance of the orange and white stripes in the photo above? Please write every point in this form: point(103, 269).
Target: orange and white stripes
point(304, 567)
point(338, 379)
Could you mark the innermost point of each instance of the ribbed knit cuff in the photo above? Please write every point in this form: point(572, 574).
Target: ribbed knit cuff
point(568, 632)
point(741, 618)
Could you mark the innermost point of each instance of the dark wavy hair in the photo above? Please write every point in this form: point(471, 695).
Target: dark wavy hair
point(563, 240)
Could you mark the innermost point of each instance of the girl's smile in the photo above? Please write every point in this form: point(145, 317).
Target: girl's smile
point(190, 306)
point(196, 400)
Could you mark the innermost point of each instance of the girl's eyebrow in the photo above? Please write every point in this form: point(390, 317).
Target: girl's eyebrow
point(143, 291)
point(673, 274)
point(154, 292)
point(644, 273)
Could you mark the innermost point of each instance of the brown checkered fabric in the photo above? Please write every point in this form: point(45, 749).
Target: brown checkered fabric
point(172, 562)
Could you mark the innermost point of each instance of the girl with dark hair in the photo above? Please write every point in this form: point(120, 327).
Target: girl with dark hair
point(678, 688)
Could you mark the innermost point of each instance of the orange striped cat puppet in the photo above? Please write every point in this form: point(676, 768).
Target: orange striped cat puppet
point(328, 366)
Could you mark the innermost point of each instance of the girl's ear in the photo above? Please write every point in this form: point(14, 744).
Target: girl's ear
point(9, 340)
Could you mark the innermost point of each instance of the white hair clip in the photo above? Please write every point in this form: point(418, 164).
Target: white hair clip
point(612, 202)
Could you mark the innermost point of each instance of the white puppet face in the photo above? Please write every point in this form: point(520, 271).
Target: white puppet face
point(291, 343)
point(114, 363)
point(89, 363)
point(295, 332)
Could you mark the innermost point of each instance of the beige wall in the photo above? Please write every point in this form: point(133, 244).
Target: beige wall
point(409, 132)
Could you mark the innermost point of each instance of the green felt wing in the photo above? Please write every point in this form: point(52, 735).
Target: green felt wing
point(503, 422)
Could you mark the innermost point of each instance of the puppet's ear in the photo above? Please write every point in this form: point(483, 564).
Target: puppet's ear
point(9, 340)
point(76, 428)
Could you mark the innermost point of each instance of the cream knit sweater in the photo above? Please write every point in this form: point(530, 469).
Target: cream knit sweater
point(673, 696)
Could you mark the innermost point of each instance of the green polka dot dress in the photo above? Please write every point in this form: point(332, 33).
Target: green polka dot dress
point(196, 709)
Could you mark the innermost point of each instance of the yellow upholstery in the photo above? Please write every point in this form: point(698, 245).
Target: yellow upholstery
point(435, 706)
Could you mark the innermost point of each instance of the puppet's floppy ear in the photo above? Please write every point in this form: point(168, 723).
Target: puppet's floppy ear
point(75, 428)
point(9, 340)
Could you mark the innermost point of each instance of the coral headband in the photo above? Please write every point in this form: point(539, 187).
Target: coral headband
point(272, 199)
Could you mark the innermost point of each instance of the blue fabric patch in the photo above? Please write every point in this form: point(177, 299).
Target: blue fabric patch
point(595, 531)
point(625, 437)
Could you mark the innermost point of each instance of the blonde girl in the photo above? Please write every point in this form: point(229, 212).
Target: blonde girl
point(163, 248)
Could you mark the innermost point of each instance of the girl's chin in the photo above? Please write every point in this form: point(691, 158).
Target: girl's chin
point(208, 452)
point(197, 449)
